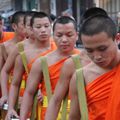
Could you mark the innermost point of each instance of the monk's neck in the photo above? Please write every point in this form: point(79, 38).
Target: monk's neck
point(31, 40)
point(65, 53)
point(42, 44)
point(17, 39)
point(116, 61)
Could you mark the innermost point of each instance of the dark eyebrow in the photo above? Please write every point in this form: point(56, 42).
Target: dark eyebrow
point(69, 32)
point(101, 46)
point(86, 48)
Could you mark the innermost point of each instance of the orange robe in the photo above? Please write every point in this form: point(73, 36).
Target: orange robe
point(103, 96)
point(52, 48)
point(54, 73)
point(6, 36)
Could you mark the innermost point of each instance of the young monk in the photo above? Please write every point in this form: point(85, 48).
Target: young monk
point(7, 47)
point(43, 44)
point(27, 44)
point(4, 36)
point(101, 77)
point(65, 36)
point(63, 84)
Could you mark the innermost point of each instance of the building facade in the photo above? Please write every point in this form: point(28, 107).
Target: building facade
point(58, 7)
point(113, 9)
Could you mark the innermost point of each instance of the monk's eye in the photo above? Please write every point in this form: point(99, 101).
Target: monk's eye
point(59, 35)
point(102, 48)
point(38, 27)
point(69, 35)
point(47, 25)
point(89, 50)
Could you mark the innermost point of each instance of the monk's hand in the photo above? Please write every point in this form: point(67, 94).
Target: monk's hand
point(3, 100)
point(11, 114)
point(40, 96)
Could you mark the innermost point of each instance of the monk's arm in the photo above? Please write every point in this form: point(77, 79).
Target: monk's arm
point(61, 91)
point(32, 84)
point(1, 58)
point(74, 108)
point(16, 82)
point(3, 55)
point(8, 66)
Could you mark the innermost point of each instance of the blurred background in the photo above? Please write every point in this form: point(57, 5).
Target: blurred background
point(74, 8)
point(58, 7)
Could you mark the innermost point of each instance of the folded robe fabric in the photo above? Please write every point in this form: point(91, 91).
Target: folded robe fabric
point(53, 47)
point(7, 36)
point(54, 73)
point(103, 96)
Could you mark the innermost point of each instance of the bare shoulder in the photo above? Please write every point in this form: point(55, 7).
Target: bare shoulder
point(28, 45)
point(52, 54)
point(53, 57)
point(9, 42)
point(69, 63)
point(68, 68)
point(85, 60)
point(92, 71)
point(15, 50)
point(30, 54)
point(36, 67)
point(9, 46)
point(37, 63)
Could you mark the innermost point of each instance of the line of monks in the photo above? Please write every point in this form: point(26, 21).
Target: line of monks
point(39, 65)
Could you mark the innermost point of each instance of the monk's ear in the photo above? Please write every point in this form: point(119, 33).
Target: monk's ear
point(31, 28)
point(14, 26)
point(77, 36)
point(117, 37)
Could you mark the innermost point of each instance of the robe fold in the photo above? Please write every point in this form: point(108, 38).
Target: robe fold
point(103, 96)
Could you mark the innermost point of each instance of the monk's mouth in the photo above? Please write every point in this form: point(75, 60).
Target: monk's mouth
point(100, 63)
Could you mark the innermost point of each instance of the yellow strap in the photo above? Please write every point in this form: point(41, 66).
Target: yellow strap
point(23, 84)
point(76, 60)
point(45, 102)
point(23, 56)
point(45, 105)
point(24, 60)
point(20, 46)
point(33, 113)
point(64, 108)
point(20, 49)
point(47, 85)
point(46, 77)
point(81, 94)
